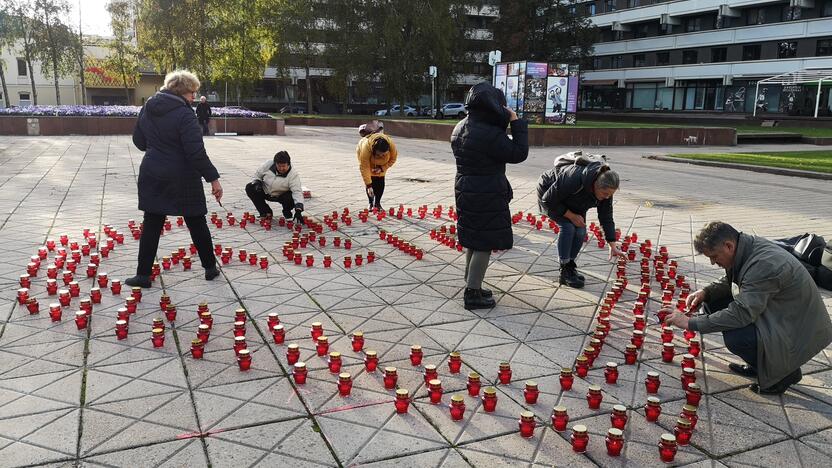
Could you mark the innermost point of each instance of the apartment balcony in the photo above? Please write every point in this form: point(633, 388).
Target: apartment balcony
point(677, 8)
point(479, 34)
point(717, 37)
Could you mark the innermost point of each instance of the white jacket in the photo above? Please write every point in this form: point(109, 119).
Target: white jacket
point(275, 185)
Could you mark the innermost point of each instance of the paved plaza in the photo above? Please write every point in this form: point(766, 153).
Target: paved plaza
point(72, 397)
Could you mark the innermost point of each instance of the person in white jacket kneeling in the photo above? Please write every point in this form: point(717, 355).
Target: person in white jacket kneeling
point(276, 181)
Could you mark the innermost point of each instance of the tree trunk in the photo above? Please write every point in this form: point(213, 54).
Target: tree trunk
point(124, 78)
point(32, 80)
point(346, 95)
point(308, 91)
point(5, 89)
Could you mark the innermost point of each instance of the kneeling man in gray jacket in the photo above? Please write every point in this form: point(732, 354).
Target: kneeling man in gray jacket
point(277, 181)
point(767, 307)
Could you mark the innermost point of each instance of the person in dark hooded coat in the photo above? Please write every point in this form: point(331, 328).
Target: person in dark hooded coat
point(171, 172)
point(482, 149)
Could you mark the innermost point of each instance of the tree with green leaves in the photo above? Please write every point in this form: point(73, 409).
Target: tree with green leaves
point(347, 53)
point(300, 42)
point(123, 60)
point(8, 37)
point(244, 44)
point(545, 30)
point(24, 29)
point(163, 33)
point(79, 57)
point(55, 41)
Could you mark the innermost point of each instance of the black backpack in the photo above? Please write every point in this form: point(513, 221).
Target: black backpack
point(814, 253)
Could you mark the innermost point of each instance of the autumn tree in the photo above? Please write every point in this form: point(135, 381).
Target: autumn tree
point(123, 60)
point(8, 37)
point(55, 41)
point(348, 47)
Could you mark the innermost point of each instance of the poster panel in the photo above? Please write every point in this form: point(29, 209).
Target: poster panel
point(521, 95)
point(535, 95)
point(500, 78)
point(511, 91)
point(513, 67)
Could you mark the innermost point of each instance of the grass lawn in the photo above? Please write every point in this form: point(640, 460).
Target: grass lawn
point(818, 161)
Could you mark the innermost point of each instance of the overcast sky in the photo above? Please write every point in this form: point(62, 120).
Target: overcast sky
point(94, 16)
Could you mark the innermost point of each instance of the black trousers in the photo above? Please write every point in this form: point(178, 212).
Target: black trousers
point(740, 341)
point(259, 198)
point(378, 191)
point(204, 126)
point(149, 242)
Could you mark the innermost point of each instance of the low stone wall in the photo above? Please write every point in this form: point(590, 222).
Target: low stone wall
point(46, 125)
point(554, 136)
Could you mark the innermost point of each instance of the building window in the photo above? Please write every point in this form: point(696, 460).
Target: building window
point(632, 3)
point(618, 61)
point(641, 30)
point(824, 47)
point(590, 9)
point(755, 16)
point(609, 6)
point(751, 52)
point(787, 49)
point(21, 67)
point(639, 60)
point(662, 58)
point(719, 54)
point(827, 8)
point(689, 56)
point(597, 63)
point(790, 13)
point(693, 24)
point(24, 97)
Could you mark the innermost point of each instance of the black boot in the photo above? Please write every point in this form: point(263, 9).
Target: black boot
point(577, 273)
point(475, 300)
point(141, 281)
point(487, 293)
point(569, 276)
point(781, 386)
point(211, 273)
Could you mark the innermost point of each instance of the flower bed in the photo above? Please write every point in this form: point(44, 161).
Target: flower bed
point(115, 111)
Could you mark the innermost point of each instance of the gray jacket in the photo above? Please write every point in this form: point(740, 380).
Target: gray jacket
point(772, 290)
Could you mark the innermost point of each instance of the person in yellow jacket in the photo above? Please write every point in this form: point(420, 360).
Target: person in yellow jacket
point(376, 153)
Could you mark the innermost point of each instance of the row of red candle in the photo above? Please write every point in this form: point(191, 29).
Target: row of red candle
point(401, 244)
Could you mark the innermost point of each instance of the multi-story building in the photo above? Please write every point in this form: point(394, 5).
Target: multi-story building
point(708, 55)
point(19, 82)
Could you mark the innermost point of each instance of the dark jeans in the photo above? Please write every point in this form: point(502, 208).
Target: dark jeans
point(740, 341)
point(570, 240)
point(204, 126)
point(259, 198)
point(378, 191)
point(149, 243)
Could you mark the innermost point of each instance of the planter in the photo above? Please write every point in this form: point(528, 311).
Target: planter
point(48, 126)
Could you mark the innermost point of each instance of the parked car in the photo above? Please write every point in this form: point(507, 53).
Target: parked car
point(452, 109)
point(393, 111)
point(292, 110)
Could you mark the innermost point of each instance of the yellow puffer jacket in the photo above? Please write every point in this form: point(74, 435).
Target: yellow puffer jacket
point(367, 161)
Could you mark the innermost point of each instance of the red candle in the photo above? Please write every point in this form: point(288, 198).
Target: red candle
point(594, 397)
point(559, 418)
point(252, 258)
point(618, 418)
point(416, 355)
point(667, 448)
point(344, 383)
point(454, 363)
point(327, 261)
point(25, 281)
point(667, 334)
point(316, 331)
point(299, 373)
point(279, 334)
point(689, 412)
point(615, 442)
point(693, 394)
point(334, 362)
point(33, 306)
point(244, 360)
point(239, 328)
point(240, 344)
point(22, 295)
point(390, 377)
point(668, 352)
point(347, 261)
point(197, 348)
point(682, 431)
point(121, 329)
point(292, 354)
point(371, 256)
point(526, 424)
point(370, 360)
point(430, 373)
point(402, 400)
point(531, 392)
point(652, 382)
point(64, 298)
point(322, 345)
point(566, 378)
point(489, 399)
point(504, 374)
point(457, 407)
point(638, 339)
point(582, 366)
point(170, 312)
point(694, 347)
point(122, 314)
point(186, 263)
point(203, 332)
point(131, 305)
point(205, 318)
point(435, 391)
point(474, 384)
point(273, 320)
point(81, 319)
point(347, 243)
point(688, 377)
point(357, 341)
point(653, 409)
point(611, 373)
point(158, 337)
point(115, 286)
point(580, 438)
point(264, 262)
point(630, 354)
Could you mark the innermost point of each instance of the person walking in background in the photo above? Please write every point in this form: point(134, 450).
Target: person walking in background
point(482, 149)
point(203, 114)
point(171, 172)
point(565, 194)
point(277, 181)
point(376, 154)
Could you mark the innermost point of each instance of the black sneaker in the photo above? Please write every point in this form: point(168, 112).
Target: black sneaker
point(742, 369)
point(211, 273)
point(487, 292)
point(141, 281)
point(475, 300)
point(577, 273)
point(569, 276)
point(781, 386)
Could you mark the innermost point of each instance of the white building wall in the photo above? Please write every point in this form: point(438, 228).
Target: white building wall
point(20, 84)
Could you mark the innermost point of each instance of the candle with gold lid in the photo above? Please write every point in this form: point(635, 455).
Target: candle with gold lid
point(579, 438)
point(489, 399)
point(614, 442)
point(526, 424)
point(371, 360)
point(457, 407)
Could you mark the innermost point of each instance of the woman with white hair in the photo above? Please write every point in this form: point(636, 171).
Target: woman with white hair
point(171, 172)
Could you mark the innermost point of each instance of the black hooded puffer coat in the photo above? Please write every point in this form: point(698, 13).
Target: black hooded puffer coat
point(482, 149)
point(174, 161)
